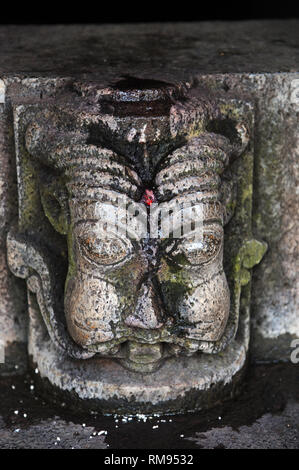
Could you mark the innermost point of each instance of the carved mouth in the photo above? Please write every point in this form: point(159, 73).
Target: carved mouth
point(136, 356)
point(143, 357)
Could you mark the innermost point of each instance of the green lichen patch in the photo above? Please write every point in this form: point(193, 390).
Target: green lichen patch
point(252, 252)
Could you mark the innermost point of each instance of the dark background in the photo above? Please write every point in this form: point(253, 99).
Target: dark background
point(112, 11)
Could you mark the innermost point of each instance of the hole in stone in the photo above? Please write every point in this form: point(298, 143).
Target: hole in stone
point(133, 83)
point(226, 127)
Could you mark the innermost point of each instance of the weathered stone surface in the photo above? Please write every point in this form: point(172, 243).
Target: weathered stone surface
point(137, 298)
point(13, 303)
point(275, 291)
point(170, 52)
point(276, 217)
point(283, 430)
point(13, 316)
point(182, 384)
point(240, 58)
point(51, 434)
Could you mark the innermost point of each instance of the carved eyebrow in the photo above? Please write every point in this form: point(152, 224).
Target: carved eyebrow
point(213, 225)
point(128, 234)
point(195, 167)
point(210, 222)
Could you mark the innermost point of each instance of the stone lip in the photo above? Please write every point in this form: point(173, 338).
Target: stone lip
point(180, 385)
point(168, 52)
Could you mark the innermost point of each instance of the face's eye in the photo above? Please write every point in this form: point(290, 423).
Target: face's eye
point(104, 251)
point(199, 252)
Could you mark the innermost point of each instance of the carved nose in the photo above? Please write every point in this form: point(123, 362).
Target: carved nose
point(148, 311)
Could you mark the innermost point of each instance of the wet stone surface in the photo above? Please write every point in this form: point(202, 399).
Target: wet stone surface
point(265, 415)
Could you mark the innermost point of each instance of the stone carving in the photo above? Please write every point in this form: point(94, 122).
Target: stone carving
point(147, 148)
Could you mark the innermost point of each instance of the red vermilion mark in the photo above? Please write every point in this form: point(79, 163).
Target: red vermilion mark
point(148, 198)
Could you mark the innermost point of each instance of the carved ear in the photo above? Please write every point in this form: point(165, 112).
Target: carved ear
point(54, 200)
point(27, 261)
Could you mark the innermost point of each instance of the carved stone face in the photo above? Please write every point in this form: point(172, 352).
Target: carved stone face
point(118, 282)
point(165, 294)
point(133, 291)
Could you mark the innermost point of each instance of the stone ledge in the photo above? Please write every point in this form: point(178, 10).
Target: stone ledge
point(166, 51)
